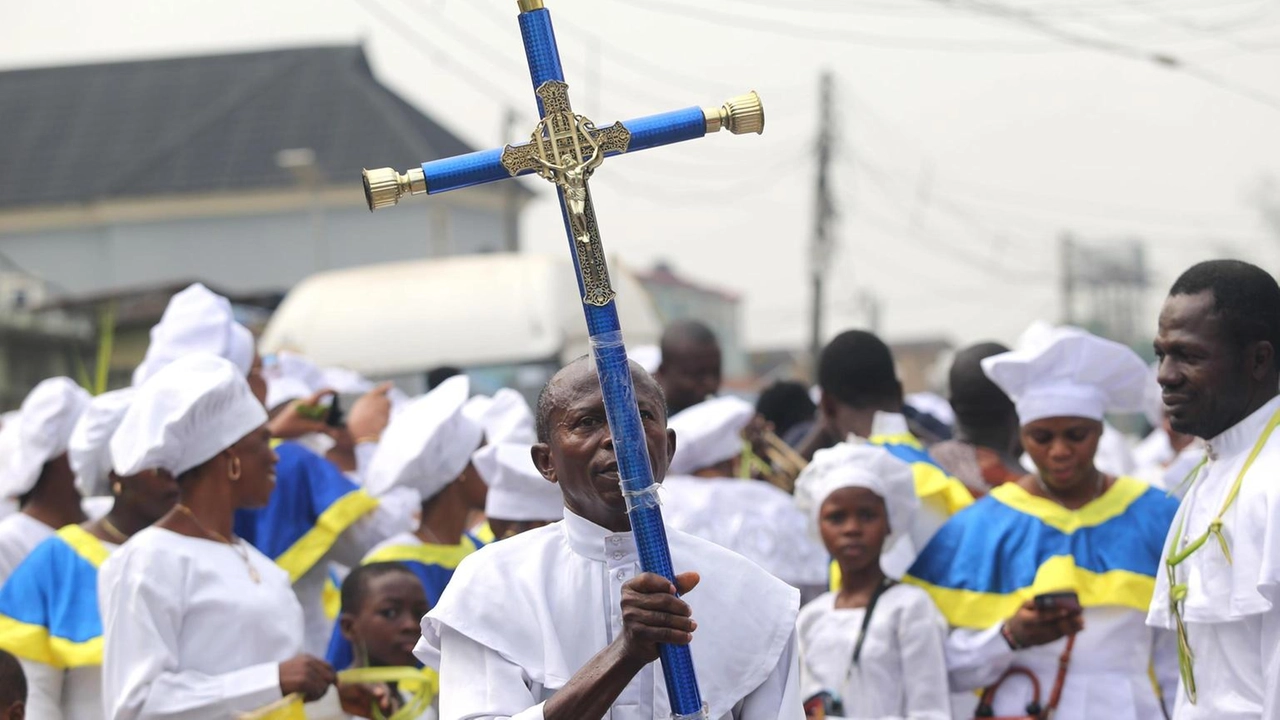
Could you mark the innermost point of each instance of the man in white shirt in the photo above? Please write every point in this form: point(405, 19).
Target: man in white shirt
point(558, 623)
point(1220, 585)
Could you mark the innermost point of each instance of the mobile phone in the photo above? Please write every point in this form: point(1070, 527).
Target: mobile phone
point(1065, 600)
point(335, 418)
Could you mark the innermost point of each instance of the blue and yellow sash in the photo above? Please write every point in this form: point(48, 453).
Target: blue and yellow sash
point(434, 566)
point(49, 606)
point(312, 504)
point(1011, 546)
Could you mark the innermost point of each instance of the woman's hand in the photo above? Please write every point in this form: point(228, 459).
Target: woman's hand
point(306, 675)
point(1031, 626)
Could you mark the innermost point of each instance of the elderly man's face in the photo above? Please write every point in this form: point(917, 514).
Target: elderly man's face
point(580, 453)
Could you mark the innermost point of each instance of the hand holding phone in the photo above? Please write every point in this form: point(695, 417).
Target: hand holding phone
point(1064, 600)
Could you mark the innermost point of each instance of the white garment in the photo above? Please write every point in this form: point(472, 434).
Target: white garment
point(902, 670)
point(1232, 607)
point(188, 633)
point(1109, 675)
point(19, 535)
point(1156, 464)
point(57, 694)
point(754, 519)
point(393, 514)
point(521, 616)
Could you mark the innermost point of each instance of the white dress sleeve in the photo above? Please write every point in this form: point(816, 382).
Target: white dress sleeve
point(44, 689)
point(482, 685)
point(922, 638)
point(142, 617)
point(1270, 644)
point(778, 697)
point(976, 658)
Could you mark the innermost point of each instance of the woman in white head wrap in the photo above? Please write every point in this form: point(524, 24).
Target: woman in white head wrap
point(49, 607)
point(873, 646)
point(519, 499)
point(34, 469)
point(1062, 562)
point(198, 623)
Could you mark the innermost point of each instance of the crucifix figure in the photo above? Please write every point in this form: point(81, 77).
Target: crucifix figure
point(565, 149)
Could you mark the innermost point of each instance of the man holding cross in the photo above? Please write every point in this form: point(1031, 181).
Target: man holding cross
point(559, 623)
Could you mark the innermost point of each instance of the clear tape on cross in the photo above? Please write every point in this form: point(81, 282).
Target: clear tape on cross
point(606, 340)
point(702, 714)
point(646, 498)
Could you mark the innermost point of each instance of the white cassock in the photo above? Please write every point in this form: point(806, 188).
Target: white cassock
point(754, 519)
point(19, 535)
point(521, 616)
point(1232, 608)
point(189, 634)
point(902, 669)
point(1109, 675)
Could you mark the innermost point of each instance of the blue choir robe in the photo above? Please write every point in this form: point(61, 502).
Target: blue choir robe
point(1011, 546)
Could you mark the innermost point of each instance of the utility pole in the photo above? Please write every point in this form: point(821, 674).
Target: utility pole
point(824, 214)
point(1066, 248)
point(511, 190)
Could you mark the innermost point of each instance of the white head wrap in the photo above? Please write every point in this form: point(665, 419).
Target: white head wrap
point(189, 411)
point(197, 320)
point(708, 433)
point(517, 491)
point(291, 376)
point(89, 449)
point(508, 419)
point(859, 464)
point(344, 381)
point(648, 357)
point(38, 433)
point(428, 444)
point(1070, 373)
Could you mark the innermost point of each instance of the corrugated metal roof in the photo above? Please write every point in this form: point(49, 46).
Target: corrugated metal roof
point(201, 124)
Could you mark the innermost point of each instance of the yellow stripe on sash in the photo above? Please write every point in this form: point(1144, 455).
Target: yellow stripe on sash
point(86, 546)
point(289, 707)
point(981, 610)
point(32, 642)
point(1110, 505)
point(445, 556)
point(307, 551)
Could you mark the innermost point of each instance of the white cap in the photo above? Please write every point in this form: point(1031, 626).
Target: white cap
point(708, 433)
point(428, 444)
point(859, 464)
point(1070, 373)
point(517, 491)
point(183, 416)
point(89, 449)
point(508, 419)
point(38, 433)
point(196, 320)
point(291, 376)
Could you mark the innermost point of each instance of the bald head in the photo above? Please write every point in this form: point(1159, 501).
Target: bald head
point(579, 376)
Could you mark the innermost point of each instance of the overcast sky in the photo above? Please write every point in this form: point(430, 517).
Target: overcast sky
point(969, 137)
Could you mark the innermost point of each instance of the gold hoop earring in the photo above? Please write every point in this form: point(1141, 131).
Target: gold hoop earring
point(234, 473)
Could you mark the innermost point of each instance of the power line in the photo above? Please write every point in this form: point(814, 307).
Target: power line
point(1165, 60)
point(827, 34)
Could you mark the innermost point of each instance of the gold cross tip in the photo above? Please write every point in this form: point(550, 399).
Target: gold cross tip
point(739, 115)
point(383, 187)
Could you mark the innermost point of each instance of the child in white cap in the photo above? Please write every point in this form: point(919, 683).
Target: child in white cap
point(872, 648)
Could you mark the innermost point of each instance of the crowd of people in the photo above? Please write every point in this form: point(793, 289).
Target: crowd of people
point(224, 539)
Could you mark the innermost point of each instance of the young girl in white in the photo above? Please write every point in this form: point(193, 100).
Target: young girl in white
point(873, 647)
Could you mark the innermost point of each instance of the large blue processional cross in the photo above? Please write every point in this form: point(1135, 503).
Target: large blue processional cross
point(566, 149)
